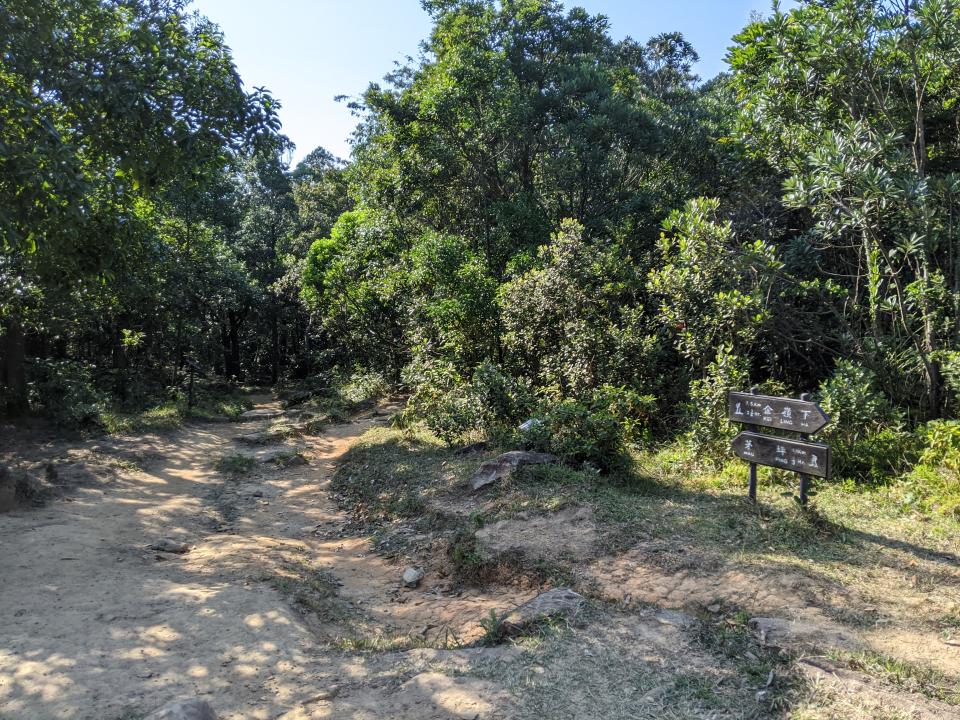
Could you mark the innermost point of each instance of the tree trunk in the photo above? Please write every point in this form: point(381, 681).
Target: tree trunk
point(13, 373)
point(275, 348)
point(233, 339)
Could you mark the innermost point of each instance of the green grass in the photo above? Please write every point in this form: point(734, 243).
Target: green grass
point(904, 675)
point(235, 464)
point(209, 405)
point(376, 644)
point(313, 589)
point(852, 536)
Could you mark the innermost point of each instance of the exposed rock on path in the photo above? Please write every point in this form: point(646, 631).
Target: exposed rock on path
point(184, 710)
point(261, 414)
point(505, 465)
point(557, 603)
point(569, 534)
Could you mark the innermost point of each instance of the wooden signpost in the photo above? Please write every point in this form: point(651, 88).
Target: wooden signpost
point(801, 416)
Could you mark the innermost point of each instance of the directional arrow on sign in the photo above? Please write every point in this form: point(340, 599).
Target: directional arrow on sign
point(810, 458)
point(776, 412)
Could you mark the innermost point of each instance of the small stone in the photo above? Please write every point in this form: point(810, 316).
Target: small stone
point(412, 577)
point(170, 546)
point(327, 694)
point(715, 608)
point(655, 694)
point(184, 710)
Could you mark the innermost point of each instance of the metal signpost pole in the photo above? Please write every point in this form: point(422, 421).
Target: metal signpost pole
point(752, 492)
point(804, 478)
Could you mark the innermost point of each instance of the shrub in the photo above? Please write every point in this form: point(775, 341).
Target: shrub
point(710, 430)
point(491, 402)
point(866, 432)
point(576, 319)
point(593, 434)
point(365, 387)
point(941, 444)
point(934, 483)
point(64, 391)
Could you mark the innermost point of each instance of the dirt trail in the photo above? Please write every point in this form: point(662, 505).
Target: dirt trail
point(96, 625)
point(269, 614)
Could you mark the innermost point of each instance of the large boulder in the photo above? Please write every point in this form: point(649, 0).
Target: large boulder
point(192, 709)
point(503, 466)
point(805, 632)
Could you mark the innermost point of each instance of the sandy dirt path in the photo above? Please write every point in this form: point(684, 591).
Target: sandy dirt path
point(95, 625)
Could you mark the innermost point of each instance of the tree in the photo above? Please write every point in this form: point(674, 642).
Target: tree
point(519, 115)
point(854, 101)
point(101, 106)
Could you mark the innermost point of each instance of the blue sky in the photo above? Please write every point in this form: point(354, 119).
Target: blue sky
point(308, 51)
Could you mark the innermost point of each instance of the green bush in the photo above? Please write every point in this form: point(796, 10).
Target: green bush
point(64, 391)
point(576, 319)
point(866, 432)
point(365, 387)
point(941, 444)
point(934, 483)
point(710, 430)
point(491, 402)
point(593, 434)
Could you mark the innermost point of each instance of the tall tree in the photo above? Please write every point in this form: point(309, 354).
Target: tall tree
point(102, 104)
point(854, 100)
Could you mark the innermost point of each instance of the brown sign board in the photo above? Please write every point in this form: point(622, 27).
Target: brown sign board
point(810, 458)
point(781, 413)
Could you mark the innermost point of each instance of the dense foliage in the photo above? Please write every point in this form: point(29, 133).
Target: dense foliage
point(538, 221)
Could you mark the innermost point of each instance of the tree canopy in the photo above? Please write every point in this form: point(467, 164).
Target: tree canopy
point(536, 218)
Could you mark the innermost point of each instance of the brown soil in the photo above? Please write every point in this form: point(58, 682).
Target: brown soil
point(280, 610)
point(96, 625)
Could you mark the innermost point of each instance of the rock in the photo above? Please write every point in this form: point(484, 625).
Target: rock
point(569, 533)
point(298, 398)
point(412, 577)
point(530, 424)
point(293, 460)
point(184, 710)
point(870, 692)
point(676, 618)
point(560, 602)
point(475, 447)
point(261, 414)
point(170, 546)
point(504, 466)
point(265, 437)
point(802, 633)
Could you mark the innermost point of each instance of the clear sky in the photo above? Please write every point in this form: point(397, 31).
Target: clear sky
point(309, 51)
